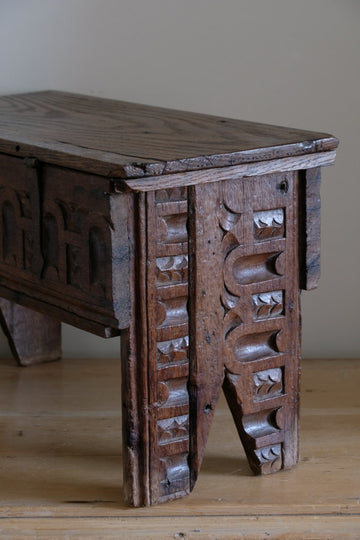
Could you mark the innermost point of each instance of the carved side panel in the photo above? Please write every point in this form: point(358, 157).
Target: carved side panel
point(57, 236)
point(260, 316)
point(167, 286)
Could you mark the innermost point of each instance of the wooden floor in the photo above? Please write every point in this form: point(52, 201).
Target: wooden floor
point(60, 463)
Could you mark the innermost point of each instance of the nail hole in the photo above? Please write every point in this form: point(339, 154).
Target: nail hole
point(207, 408)
point(17, 148)
point(284, 186)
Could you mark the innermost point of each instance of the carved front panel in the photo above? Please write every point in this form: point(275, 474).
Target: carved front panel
point(169, 342)
point(259, 301)
point(58, 236)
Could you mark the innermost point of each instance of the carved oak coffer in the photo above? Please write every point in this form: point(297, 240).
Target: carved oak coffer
point(195, 254)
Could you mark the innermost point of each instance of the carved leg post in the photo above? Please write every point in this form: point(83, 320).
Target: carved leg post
point(261, 322)
point(33, 337)
point(206, 340)
point(155, 353)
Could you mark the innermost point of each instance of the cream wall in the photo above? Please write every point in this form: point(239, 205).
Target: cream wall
point(276, 61)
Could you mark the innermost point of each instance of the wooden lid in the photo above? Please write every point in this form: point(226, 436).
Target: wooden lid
point(126, 140)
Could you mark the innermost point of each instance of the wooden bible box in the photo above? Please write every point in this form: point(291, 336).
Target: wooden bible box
point(188, 235)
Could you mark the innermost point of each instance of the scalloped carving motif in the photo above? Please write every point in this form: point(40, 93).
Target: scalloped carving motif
point(173, 351)
point(171, 270)
point(173, 429)
point(269, 224)
point(169, 286)
point(269, 458)
point(268, 384)
point(268, 305)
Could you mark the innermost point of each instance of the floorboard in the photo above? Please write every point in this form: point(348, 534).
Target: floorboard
point(60, 463)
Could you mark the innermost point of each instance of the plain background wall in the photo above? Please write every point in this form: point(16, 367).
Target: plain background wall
point(275, 61)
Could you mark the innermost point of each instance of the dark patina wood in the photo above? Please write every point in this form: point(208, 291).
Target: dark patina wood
point(187, 234)
point(64, 244)
point(116, 138)
point(206, 339)
point(261, 324)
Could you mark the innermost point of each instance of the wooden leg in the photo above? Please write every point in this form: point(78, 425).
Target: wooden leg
point(33, 337)
point(155, 353)
point(206, 339)
point(261, 318)
point(268, 428)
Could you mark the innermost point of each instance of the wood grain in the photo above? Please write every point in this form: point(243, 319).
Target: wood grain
point(134, 362)
point(261, 317)
point(229, 173)
point(191, 528)
point(115, 138)
point(206, 341)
